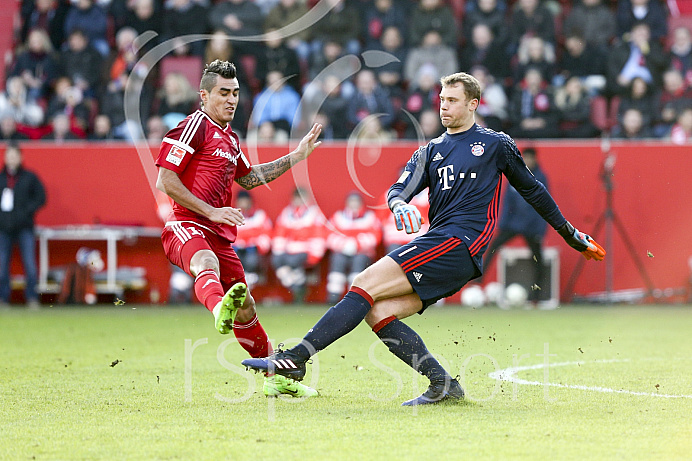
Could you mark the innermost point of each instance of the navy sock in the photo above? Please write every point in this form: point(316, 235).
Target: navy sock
point(335, 323)
point(406, 344)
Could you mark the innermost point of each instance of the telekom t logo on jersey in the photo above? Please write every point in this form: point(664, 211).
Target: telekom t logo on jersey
point(446, 174)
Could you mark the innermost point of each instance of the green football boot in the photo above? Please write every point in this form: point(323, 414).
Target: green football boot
point(227, 308)
point(277, 384)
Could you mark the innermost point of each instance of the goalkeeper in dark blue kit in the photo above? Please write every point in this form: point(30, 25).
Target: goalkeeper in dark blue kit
point(463, 170)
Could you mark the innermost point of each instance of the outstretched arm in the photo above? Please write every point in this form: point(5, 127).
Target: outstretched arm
point(267, 172)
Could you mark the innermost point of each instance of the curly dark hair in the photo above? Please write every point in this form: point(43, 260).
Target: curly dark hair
point(215, 69)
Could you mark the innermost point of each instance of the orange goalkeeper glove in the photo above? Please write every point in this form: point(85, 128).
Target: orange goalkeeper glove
point(581, 242)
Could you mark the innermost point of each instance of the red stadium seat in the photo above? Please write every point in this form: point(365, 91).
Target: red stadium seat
point(190, 66)
point(613, 111)
point(599, 113)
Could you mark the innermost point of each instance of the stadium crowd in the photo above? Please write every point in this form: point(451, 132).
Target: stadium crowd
point(549, 68)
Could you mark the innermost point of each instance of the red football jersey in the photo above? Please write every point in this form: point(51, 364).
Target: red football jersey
point(207, 158)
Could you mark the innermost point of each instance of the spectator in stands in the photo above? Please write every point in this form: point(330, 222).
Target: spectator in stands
point(531, 18)
point(518, 218)
point(355, 234)
point(532, 110)
point(16, 104)
point(156, 129)
point(278, 103)
point(434, 51)
point(102, 129)
point(276, 56)
point(48, 15)
point(579, 59)
point(369, 99)
point(284, 13)
point(574, 106)
point(426, 127)
point(371, 131)
point(593, 21)
point(266, 133)
point(220, 47)
point(423, 94)
point(485, 50)
point(681, 133)
point(430, 124)
point(534, 52)
point(380, 15)
point(328, 55)
point(124, 66)
point(185, 17)
point(36, 65)
point(487, 12)
point(60, 130)
point(632, 126)
point(432, 15)
point(493, 104)
point(334, 106)
point(681, 53)
point(391, 75)
point(651, 12)
point(92, 20)
point(142, 16)
point(640, 56)
point(340, 25)
point(298, 242)
point(69, 100)
point(8, 129)
point(238, 18)
point(22, 196)
point(639, 96)
point(675, 97)
point(81, 62)
point(177, 98)
point(254, 238)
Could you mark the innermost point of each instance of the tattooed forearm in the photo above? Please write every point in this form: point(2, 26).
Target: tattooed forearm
point(266, 172)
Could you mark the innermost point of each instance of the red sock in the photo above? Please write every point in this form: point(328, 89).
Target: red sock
point(253, 338)
point(208, 288)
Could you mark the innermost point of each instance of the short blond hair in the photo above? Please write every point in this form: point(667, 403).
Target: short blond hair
point(472, 88)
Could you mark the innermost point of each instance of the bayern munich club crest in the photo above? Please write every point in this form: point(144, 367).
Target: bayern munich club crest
point(477, 148)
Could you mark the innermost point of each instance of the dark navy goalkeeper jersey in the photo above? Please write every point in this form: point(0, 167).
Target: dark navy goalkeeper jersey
point(463, 173)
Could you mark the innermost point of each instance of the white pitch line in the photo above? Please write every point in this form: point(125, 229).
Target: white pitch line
point(510, 375)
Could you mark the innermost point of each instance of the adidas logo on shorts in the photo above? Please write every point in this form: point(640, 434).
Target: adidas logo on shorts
point(418, 276)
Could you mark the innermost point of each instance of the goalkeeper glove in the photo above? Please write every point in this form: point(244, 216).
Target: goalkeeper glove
point(407, 217)
point(581, 242)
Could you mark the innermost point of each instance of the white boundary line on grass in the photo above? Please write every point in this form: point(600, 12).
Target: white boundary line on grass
point(510, 375)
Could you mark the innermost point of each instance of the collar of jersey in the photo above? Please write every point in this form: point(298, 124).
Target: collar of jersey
point(462, 134)
point(212, 121)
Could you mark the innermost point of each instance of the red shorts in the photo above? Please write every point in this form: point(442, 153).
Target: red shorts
point(182, 239)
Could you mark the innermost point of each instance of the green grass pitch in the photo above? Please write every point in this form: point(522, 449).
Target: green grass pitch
point(139, 382)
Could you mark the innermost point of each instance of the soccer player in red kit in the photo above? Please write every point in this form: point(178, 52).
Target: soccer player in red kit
point(198, 161)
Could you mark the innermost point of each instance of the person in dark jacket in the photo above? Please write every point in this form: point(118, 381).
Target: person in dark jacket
point(22, 196)
point(519, 218)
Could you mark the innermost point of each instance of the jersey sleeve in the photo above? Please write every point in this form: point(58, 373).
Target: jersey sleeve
point(532, 190)
point(180, 143)
point(414, 178)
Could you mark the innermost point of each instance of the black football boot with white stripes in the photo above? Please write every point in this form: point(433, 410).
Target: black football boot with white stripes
point(284, 363)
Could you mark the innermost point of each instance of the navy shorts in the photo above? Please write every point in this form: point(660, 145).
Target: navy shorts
point(436, 264)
